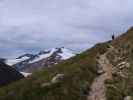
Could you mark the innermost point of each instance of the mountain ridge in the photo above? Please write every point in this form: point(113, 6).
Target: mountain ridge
point(30, 62)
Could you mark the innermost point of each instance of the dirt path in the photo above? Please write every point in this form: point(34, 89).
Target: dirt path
point(98, 87)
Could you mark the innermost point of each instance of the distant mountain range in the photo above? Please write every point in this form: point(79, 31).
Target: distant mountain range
point(33, 62)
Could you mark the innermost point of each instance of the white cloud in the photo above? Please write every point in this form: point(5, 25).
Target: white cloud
point(30, 25)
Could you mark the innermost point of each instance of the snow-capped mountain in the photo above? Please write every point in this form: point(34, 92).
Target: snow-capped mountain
point(46, 58)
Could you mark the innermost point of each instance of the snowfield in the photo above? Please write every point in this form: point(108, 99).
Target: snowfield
point(15, 61)
point(43, 56)
point(25, 74)
point(66, 54)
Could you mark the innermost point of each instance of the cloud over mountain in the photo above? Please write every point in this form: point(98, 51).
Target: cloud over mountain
point(30, 25)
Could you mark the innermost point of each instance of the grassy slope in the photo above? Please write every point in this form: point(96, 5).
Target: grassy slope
point(79, 73)
point(119, 88)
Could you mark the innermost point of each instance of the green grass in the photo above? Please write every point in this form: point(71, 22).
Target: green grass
point(118, 88)
point(79, 73)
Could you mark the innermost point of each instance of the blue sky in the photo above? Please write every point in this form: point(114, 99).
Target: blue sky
point(33, 25)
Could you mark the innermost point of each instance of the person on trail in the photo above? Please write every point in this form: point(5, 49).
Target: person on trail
point(113, 37)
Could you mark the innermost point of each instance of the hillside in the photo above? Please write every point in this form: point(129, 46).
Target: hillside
point(104, 72)
point(8, 74)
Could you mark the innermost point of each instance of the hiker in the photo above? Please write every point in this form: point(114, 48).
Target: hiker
point(113, 37)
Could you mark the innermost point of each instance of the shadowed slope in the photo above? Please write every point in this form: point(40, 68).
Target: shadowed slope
point(8, 74)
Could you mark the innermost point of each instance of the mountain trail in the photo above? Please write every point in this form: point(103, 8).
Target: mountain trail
point(98, 89)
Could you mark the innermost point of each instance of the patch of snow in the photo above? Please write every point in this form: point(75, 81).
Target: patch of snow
point(25, 74)
point(43, 56)
point(15, 61)
point(66, 54)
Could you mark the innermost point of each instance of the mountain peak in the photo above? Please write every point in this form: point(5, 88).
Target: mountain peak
point(43, 58)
